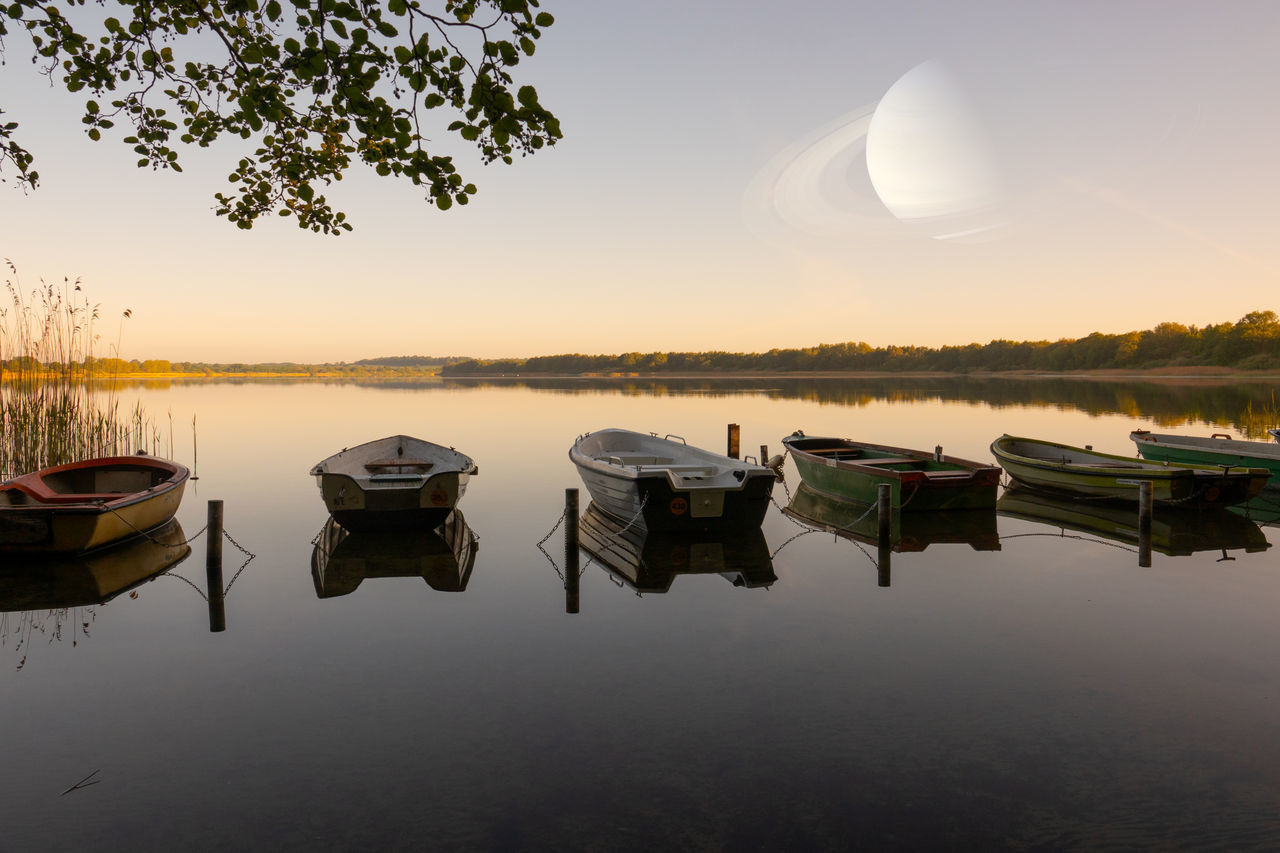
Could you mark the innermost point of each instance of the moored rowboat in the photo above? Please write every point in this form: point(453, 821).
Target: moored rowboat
point(83, 506)
point(1064, 469)
point(848, 470)
point(663, 484)
point(1216, 450)
point(393, 483)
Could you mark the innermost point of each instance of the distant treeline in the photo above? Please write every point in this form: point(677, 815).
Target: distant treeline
point(368, 368)
point(1251, 343)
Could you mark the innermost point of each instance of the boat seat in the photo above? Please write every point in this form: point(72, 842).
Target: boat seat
point(637, 459)
point(418, 465)
point(891, 460)
point(40, 493)
point(682, 470)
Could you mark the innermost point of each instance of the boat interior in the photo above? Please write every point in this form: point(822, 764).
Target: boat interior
point(82, 484)
point(1073, 456)
point(844, 453)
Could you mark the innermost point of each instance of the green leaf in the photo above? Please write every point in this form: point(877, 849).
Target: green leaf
point(544, 19)
point(444, 202)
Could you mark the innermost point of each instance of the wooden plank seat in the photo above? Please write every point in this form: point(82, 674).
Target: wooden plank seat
point(892, 460)
point(682, 470)
point(637, 459)
point(419, 466)
point(40, 493)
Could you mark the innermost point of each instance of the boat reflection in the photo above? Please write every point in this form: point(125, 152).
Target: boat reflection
point(96, 578)
point(443, 557)
point(649, 561)
point(1174, 532)
point(907, 532)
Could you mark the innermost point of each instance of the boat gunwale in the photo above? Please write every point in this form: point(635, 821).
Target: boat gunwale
point(1197, 444)
point(1138, 467)
point(975, 469)
point(42, 497)
point(466, 464)
point(662, 471)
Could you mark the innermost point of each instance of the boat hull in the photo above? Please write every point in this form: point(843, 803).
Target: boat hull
point(39, 517)
point(852, 471)
point(394, 483)
point(1065, 470)
point(682, 489)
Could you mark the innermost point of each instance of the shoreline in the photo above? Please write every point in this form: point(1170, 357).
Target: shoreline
point(1113, 374)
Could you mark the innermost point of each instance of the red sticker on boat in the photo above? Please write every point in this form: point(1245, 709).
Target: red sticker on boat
point(439, 497)
point(679, 506)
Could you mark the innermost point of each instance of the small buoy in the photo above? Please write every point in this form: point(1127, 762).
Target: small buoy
point(775, 462)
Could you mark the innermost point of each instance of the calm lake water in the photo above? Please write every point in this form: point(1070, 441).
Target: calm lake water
point(1024, 685)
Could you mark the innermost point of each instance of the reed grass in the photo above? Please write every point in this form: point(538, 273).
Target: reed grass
point(1254, 423)
point(55, 406)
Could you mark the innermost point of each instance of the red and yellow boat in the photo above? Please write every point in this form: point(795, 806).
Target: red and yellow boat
point(84, 506)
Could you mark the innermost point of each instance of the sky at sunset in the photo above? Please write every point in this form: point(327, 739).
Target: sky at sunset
point(734, 176)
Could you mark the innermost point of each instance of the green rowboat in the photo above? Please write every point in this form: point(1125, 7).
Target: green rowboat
point(848, 470)
point(1218, 450)
point(1083, 472)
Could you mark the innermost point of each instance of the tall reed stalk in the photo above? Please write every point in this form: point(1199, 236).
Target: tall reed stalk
point(55, 406)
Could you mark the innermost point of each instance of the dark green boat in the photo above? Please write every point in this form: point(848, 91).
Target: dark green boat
point(850, 470)
point(1067, 470)
point(1218, 450)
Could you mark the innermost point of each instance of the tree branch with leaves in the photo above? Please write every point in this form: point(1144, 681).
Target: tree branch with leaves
point(312, 85)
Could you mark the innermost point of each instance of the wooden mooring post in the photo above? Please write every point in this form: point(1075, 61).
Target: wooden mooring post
point(884, 521)
point(572, 598)
point(1145, 501)
point(213, 569)
point(735, 434)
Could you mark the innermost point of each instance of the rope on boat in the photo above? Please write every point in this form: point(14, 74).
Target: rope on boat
point(146, 535)
point(249, 555)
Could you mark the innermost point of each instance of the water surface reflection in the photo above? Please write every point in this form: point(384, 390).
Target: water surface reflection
point(443, 557)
